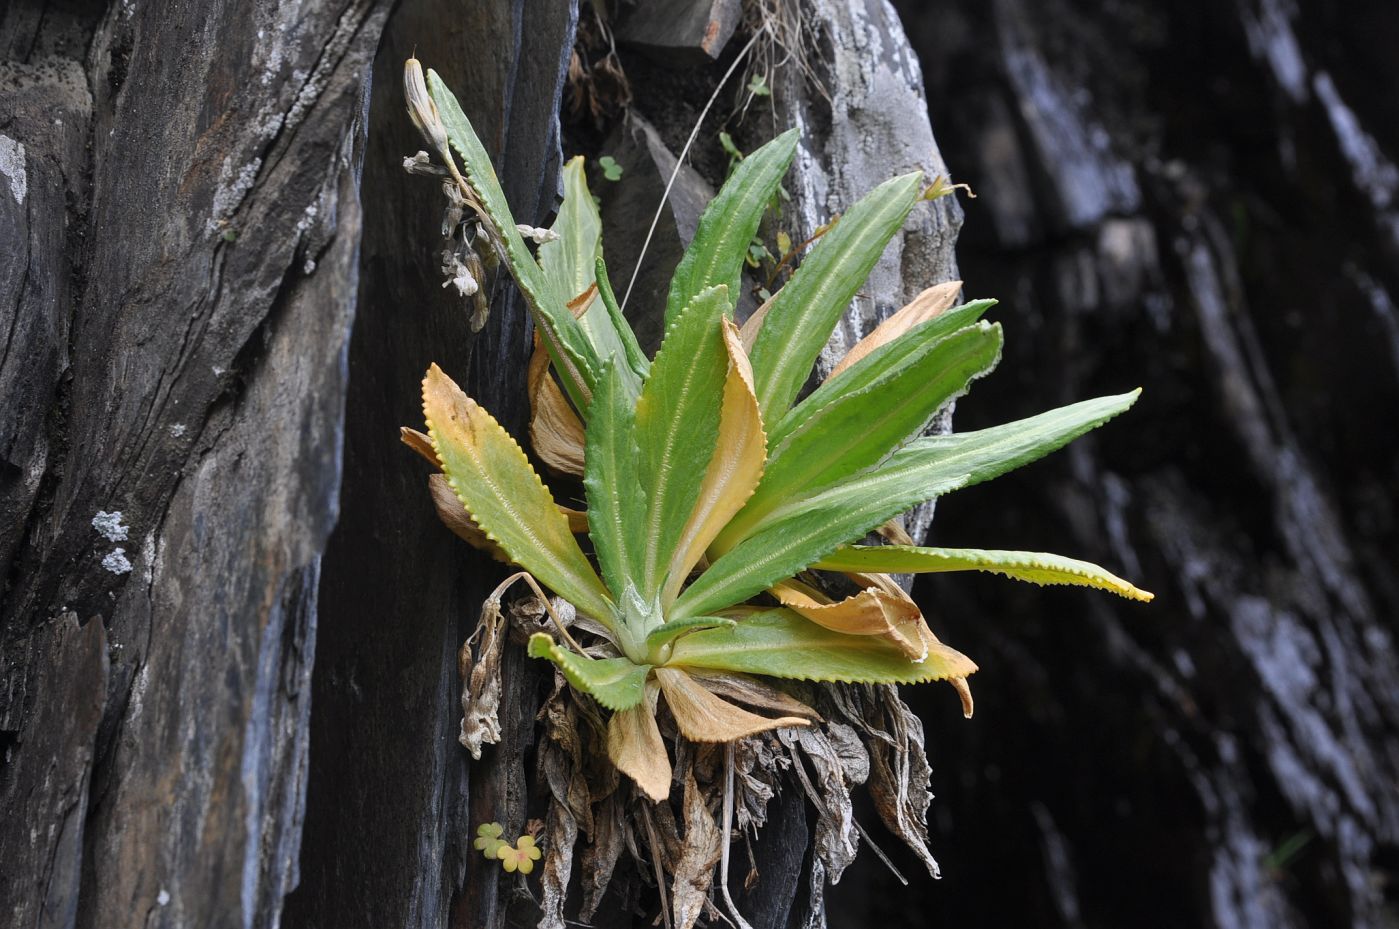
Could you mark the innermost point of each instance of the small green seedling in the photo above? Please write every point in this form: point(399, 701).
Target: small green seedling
point(717, 496)
point(610, 169)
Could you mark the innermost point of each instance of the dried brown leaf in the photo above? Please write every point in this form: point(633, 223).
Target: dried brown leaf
point(635, 746)
point(480, 696)
point(601, 856)
point(693, 873)
point(420, 443)
point(893, 532)
point(752, 692)
point(554, 428)
point(920, 309)
point(874, 611)
point(703, 717)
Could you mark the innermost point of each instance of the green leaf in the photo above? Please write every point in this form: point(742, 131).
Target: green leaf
point(677, 425)
point(658, 642)
point(616, 504)
point(565, 340)
point(494, 481)
point(616, 683)
point(779, 643)
point(571, 264)
point(728, 224)
point(610, 169)
point(636, 358)
point(569, 260)
point(1035, 567)
point(805, 530)
point(859, 428)
point(880, 363)
point(802, 314)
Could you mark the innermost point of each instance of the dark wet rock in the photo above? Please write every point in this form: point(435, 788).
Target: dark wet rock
point(1198, 200)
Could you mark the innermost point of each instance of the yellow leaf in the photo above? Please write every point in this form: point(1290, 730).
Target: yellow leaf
point(555, 430)
point(635, 747)
point(920, 309)
point(494, 481)
point(703, 717)
point(450, 510)
point(889, 614)
point(733, 471)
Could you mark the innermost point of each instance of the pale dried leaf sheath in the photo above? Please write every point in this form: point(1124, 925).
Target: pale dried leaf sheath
point(555, 430)
point(634, 744)
point(419, 443)
point(733, 472)
point(703, 717)
point(494, 481)
point(920, 309)
point(752, 691)
point(873, 611)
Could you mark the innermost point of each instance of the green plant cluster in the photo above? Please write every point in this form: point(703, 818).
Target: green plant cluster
point(715, 491)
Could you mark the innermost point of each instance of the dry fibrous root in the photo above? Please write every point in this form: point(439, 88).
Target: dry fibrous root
point(786, 42)
point(863, 736)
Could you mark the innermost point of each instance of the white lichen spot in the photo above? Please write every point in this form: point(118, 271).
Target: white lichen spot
point(308, 217)
point(148, 557)
point(109, 526)
point(177, 429)
point(163, 898)
point(218, 372)
point(117, 562)
point(309, 267)
point(12, 166)
point(233, 187)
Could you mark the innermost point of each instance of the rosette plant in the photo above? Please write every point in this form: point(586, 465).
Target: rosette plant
point(720, 501)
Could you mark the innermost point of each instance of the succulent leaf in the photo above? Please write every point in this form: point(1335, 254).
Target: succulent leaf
point(805, 530)
point(1036, 567)
point(801, 315)
point(505, 497)
point(728, 224)
point(568, 345)
point(779, 643)
point(860, 428)
point(734, 471)
point(616, 683)
point(616, 503)
point(879, 364)
point(677, 426)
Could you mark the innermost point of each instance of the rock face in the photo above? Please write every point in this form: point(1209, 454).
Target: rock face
point(230, 618)
point(180, 221)
point(1199, 199)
